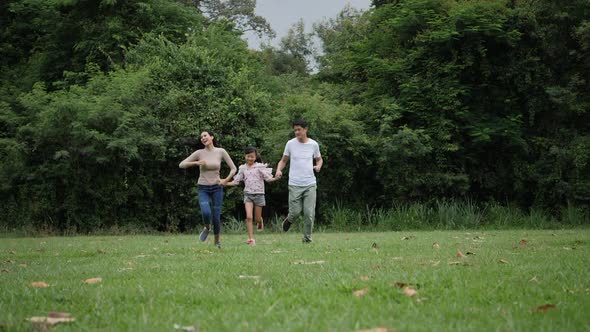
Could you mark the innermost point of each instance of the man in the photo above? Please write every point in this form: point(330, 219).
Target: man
point(301, 151)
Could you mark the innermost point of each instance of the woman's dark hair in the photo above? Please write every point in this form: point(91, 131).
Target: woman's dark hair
point(212, 134)
point(251, 149)
point(299, 122)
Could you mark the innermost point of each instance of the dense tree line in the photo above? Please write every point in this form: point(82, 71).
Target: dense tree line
point(414, 101)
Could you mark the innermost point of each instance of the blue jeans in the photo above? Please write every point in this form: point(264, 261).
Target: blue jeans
point(210, 200)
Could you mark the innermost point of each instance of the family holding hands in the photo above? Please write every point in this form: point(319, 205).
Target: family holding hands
point(300, 152)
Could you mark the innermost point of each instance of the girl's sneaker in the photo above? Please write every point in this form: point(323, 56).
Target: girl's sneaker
point(251, 242)
point(260, 226)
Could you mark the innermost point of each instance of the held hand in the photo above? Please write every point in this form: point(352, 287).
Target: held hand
point(278, 174)
point(223, 182)
point(317, 169)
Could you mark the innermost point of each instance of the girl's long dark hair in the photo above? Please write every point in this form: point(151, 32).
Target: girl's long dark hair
point(251, 149)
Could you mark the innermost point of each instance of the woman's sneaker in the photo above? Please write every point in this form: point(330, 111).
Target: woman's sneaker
point(251, 242)
point(204, 234)
point(260, 226)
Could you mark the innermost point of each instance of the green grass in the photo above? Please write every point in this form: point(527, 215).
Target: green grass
point(151, 283)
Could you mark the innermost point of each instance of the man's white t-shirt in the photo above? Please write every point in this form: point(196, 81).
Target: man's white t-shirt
point(301, 156)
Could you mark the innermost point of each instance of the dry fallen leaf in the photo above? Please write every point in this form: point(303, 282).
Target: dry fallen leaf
point(408, 291)
point(377, 329)
point(534, 279)
point(5, 271)
point(436, 245)
point(408, 237)
point(523, 242)
point(399, 284)
point(454, 263)
point(361, 292)
point(248, 277)
point(503, 260)
point(93, 280)
point(544, 308)
point(59, 314)
point(301, 261)
point(22, 265)
point(429, 263)
point(100, 251)
point(39, 284)
point(460, 254)
point(470, 253)
point(364, 278)
point(422, 299)
point(9, 261)
point(185, 328)
point(12, 252)
point(53, 317)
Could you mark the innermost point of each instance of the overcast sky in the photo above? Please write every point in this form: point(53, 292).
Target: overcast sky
point(281, 14)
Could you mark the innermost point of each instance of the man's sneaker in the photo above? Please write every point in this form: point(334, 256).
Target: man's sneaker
point(286, 224)
point(251, 242)
point(204, 234)
point(260, 226)
point(307, 240)
point(218, 245)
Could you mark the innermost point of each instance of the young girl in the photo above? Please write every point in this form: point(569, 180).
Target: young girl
point(253, 173)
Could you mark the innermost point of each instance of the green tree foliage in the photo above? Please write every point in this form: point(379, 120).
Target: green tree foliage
point(240, 12)
point(293, 54)
point(470, 98)
point(414, 101)
point(106, 154)
point(45, 38)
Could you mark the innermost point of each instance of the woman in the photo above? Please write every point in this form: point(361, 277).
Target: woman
point(210, 185)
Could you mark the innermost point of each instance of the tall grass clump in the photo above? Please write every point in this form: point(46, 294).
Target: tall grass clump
point(456, 215)
point(343, 218)
point(449, 215)
point(576, 216)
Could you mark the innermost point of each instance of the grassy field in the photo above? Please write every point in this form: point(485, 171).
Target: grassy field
point(341, 282)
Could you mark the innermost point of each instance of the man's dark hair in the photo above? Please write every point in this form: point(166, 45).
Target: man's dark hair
point(299, 122)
